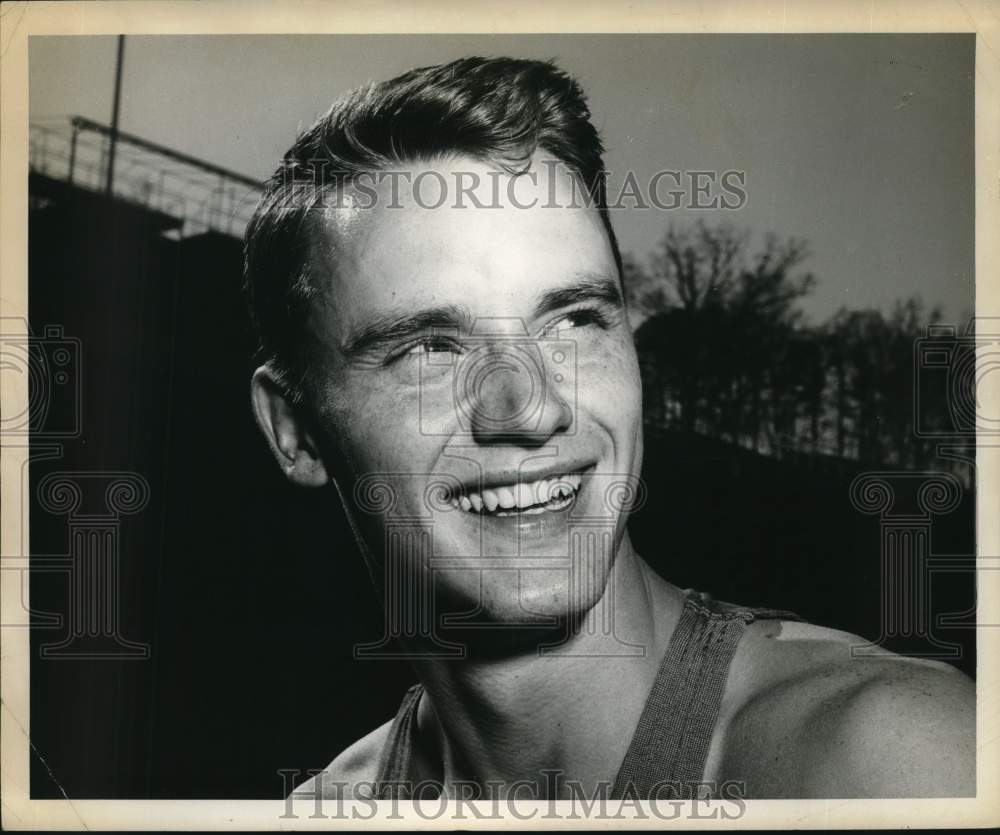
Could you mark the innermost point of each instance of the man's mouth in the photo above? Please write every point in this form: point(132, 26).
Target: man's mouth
point(521, 498)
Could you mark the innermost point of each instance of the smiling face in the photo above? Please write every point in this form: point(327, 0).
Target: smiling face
point(477, 366)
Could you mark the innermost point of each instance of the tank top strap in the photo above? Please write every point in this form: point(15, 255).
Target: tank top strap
point(393, 773)
point(666, 757)
point(667, 754)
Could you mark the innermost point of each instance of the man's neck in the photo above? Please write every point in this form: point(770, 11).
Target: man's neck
point(512, 718)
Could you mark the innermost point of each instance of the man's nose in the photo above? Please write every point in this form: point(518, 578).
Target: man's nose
point(513, 401)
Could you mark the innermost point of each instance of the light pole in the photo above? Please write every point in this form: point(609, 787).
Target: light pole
point(114, 115)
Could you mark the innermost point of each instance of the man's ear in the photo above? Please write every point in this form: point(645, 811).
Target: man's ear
point(286, 431)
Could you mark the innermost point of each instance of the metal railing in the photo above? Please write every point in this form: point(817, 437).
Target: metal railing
point(202, 195)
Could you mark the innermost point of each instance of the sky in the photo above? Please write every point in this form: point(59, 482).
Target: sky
point(860, 144)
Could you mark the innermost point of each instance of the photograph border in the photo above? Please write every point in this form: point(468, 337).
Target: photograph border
point(21, 20)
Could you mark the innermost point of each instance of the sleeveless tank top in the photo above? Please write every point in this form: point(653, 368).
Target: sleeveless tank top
point(666, 756)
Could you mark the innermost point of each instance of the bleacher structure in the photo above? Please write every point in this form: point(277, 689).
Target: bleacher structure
point(199, 194)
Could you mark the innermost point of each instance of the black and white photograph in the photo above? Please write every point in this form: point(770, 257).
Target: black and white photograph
point(460, 428)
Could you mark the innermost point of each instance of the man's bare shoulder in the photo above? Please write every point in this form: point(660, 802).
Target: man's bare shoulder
point(355, 766)
point(821, 720)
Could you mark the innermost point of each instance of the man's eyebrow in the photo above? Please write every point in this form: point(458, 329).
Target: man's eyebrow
point(588, 287)
point(392, 327)
point(388, 328)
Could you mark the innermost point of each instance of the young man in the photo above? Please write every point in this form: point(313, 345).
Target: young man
point(437, 287)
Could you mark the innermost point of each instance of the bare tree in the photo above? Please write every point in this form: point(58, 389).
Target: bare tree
point(725, 351)
point(716, 317)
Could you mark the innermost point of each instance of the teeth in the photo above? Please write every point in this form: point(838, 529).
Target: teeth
point(505, 497)
point(525, 498)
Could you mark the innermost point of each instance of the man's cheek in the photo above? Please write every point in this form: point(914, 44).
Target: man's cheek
point(367, 413)
point(615, 372)
point(388, 439)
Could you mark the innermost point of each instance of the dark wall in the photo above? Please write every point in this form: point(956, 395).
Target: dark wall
point(248, 593)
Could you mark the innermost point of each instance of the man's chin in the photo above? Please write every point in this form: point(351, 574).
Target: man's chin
point(497, 610)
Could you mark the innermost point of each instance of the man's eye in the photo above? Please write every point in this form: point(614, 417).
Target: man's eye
point(578, 319)
point(431, 345)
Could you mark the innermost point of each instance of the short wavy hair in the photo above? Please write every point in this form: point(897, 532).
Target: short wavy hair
point(500, 110)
